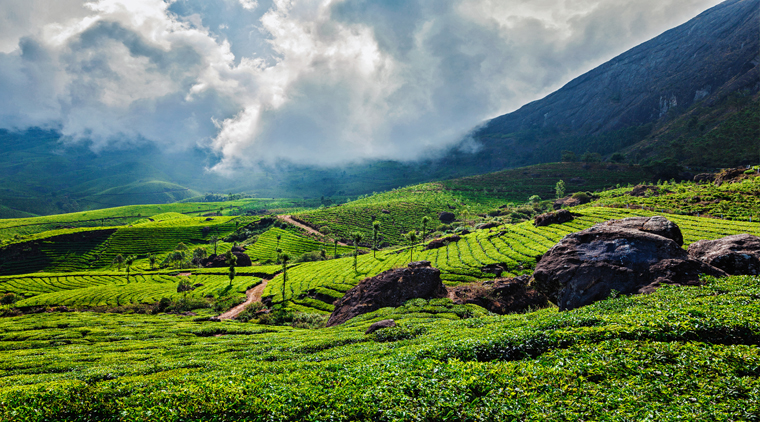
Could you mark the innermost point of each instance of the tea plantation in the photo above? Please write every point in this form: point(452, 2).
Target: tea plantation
point(84, 339)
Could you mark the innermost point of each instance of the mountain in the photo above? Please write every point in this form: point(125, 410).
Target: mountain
point(707, 62)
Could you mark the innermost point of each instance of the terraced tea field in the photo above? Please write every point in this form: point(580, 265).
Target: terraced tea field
point(734, 201)
point(513, 246)
point(265, 247)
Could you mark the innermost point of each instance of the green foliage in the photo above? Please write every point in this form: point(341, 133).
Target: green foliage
point(682, 352)
point(559, 189)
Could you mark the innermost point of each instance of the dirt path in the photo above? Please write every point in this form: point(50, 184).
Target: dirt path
point(289, 219)
point(252, 295)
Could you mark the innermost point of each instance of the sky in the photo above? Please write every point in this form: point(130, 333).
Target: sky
point(322, 82)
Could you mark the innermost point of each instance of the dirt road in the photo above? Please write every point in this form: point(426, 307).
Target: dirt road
point(252, 295)
point(289, 219)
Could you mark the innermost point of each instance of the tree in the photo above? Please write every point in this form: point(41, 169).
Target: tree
point(152, 259)
point(325, 230)
point(231, 261)
point(375, 233)
point(184, 286)
point(279, 236)
point(285, 259)
point(356, 237)
point(412, 238)
point(118, 260)
point(591, 157)
point(617, 157)
point(569, 156)
point(560, 189)
point(128, 261)
point(335, 248)
point(199, 254)
point(425, 221)
point(214, 240)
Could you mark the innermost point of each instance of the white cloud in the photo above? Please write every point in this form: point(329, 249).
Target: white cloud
point(314, 82)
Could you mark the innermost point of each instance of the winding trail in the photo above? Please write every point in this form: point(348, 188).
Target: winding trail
point(289, 219)
point(252, 295)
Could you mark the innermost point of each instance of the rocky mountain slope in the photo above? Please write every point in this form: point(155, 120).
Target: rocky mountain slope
point(619, 103)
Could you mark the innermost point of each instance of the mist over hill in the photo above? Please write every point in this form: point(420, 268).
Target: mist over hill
point(690, 94)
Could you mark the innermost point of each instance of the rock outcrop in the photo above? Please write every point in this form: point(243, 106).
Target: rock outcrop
point(737, 255)
point(658, 225)
point(386, 323)
point(634, 255)
point(439, 243)
point(389, 289)
point(556, 217)
point(502, 296)
point(446, 217)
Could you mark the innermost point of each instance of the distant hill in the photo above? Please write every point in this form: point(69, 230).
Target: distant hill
point(706, 68)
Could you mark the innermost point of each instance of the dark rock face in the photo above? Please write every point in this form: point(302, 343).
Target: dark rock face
point(656, 225)
point(502, 296)
point(446, 217)
point(389, 289)
point(737, 255)
point(729, 175)
point(439, 243)
point(386, 323)
point(556, 217)
point(584, 267)
point(645, 190)
point(704, 177)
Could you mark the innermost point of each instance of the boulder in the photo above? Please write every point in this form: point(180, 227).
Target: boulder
point(441, 242)
point(556, 217)
point(656, 225)
point(386, 323)
point(502, 296)
point(738, 254)
point(729, 175)
point(446, 217)
point(626, 256)
point(704, 177)
point(487, 226)
point(389, 289)
point(646, 191)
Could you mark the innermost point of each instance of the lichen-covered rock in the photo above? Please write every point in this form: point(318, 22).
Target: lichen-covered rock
point(386, 323)
point(631, 257)
point(737, 255)
point(656, 225)
point(502, 296)
point(439, 243)
point(389, 289)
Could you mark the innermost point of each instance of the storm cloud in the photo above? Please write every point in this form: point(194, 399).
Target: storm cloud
point(308, 82)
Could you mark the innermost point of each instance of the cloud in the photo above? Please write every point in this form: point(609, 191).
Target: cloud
point(311, 82)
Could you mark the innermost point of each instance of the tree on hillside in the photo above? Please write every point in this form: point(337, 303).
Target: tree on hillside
point(279, 236)
point(560, 189)
point(285, 259)
point(356, 237)
point(569, 156)
point(591, 157)
point(231, 261)
point(375, 233)
point(184, 286)
point(425, 221)
point(128, 261)
point(152, 259)
point(335, 248)
point(412, 238)
point(326, 231)
point(118, 260)
point(214, 240)
point(199, 254)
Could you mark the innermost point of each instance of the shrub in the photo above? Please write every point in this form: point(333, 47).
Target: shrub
point(399, 332)
point(8, 298)
point(249, 312)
